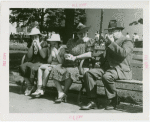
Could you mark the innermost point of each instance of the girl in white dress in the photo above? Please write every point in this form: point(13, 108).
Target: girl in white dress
point(55, 57)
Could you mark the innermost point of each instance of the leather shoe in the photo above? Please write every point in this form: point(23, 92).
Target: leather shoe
point(91, 105)
point(113, 103)
point(110, 107)
point(61, 99)
point(28, 91)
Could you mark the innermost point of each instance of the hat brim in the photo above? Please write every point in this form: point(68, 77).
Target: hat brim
point(53, 40)
point(82, 30)
point(31, 34)
point(115, 28)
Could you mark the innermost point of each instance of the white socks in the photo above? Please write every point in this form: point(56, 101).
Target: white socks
point(60, 94)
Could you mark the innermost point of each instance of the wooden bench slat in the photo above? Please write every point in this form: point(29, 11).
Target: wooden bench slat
point(130, 81)
point(134, 49)
point(131, 85)
point(137, 65)
point(138, 57)
point(138, 49)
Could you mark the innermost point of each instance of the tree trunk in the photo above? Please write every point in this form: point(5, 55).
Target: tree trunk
point(101, 23)
point(69, 24)
point(42, 19)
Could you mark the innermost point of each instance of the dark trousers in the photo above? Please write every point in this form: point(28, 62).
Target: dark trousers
point(108, 78)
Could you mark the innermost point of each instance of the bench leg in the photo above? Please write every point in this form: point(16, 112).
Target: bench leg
point(80, 92)
point(21, 88)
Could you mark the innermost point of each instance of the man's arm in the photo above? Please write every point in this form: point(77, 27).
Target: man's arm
point(123, 51)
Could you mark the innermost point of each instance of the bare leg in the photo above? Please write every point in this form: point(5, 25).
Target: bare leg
point(43, 74)
point(39, 82)
point(45, 77)
point(59, 88)
point(39, 90)
point(68, 83)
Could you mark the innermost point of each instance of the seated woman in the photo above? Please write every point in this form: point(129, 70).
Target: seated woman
point(78, 48)
point(56, 56)
point(36, 55)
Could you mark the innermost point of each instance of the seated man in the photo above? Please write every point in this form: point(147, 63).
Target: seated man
point(114, 65)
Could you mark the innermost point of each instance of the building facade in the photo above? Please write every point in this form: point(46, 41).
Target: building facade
point(124, 16)
point(13, 29)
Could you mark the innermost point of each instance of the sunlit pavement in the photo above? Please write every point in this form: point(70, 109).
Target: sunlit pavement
point(20, 103)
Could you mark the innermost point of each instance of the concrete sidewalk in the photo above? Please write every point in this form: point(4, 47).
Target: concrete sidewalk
point(20, 103)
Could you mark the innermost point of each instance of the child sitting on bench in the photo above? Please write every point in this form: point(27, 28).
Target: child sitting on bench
point(55, 57)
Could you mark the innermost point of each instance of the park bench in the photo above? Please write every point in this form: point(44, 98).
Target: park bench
point(129, 90)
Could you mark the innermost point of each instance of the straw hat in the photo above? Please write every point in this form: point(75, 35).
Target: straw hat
point(113, 24)
point(35, 31)
point(54, 37)
point(82, 28)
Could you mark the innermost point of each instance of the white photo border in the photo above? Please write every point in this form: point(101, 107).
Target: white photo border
point(4, 78)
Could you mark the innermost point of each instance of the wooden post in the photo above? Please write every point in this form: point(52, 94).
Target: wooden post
point(42, 19)
point(69, 24)
point(101, 22)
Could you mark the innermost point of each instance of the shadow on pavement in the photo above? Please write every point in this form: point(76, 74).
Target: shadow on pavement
point(130, 108)
point(51, 93)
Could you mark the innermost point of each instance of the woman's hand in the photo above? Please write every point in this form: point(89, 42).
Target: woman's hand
point(66, 56)
point(55, 50)
point(38, 43)
point(33, 43)
point(70, 57)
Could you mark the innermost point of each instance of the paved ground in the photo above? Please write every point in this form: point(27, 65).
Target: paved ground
point(26, 104)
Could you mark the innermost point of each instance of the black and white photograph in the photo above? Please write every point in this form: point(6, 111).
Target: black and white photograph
point(76, 60)
point(50, 48)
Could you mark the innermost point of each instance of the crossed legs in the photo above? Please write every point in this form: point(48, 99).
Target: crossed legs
point(108, 77)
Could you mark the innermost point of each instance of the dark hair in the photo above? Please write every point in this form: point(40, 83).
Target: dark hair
point(60, 43)
point(29, 42)
point(75, 37)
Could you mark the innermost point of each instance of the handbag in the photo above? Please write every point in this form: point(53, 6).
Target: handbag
point(69, 63)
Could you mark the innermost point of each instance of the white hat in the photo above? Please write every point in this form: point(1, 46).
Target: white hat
point(54, 37)
point(35, 31)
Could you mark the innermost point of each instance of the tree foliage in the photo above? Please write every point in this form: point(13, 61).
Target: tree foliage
point(140, 21)
point(80, 16)
point(45, 17)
